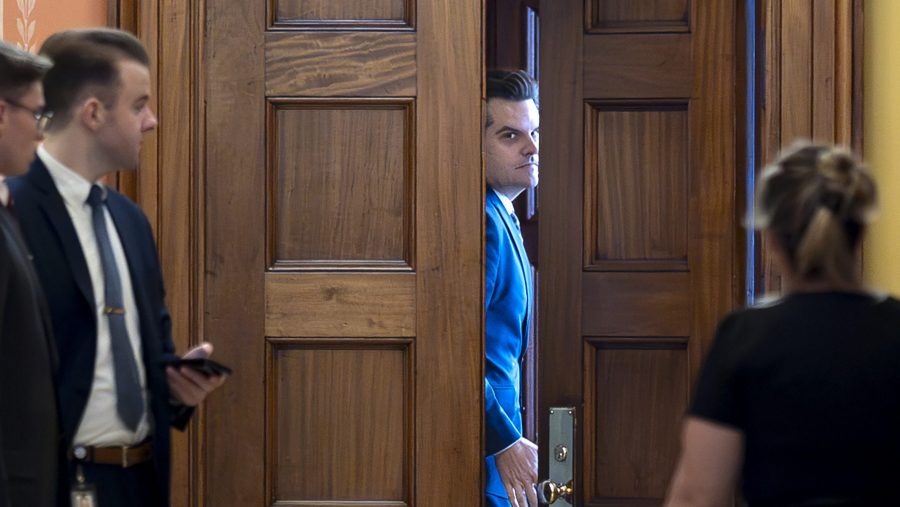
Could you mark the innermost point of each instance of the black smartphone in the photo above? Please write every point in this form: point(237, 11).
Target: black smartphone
point(202, 365)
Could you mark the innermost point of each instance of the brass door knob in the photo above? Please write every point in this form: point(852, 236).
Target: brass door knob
point(549, 491)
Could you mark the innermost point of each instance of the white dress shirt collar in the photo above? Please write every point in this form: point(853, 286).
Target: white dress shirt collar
point(507, 203)
point(73, 187)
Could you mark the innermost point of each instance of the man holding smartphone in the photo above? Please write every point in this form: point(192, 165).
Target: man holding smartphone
point(96, 257)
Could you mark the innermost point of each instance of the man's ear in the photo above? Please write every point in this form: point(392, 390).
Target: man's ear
point(92, 113)
point(4, 117)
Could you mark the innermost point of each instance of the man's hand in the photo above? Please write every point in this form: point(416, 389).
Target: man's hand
point(518, 471)
point(191, 387)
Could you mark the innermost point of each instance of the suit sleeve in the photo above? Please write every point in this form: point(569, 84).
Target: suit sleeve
point(499, 428)
point(179, 414)
point(4, 289)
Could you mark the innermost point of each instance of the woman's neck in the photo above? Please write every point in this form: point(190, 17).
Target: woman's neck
point(794, 285)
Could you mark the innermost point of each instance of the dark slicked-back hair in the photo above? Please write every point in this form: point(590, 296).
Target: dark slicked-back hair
point(19, 70)
point(86, 63)
point(515, 85)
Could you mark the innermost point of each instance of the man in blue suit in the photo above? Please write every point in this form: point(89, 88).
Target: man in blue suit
point(511, 166)
point(96, 259)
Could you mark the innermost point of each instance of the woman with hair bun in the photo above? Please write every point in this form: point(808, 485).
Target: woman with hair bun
point(799, 398)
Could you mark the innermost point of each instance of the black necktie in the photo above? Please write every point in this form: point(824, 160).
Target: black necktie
point(130, 399)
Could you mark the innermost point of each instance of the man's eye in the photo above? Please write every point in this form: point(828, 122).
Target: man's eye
point(509, 135)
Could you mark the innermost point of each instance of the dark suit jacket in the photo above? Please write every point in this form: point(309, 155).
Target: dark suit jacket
point(29, 422)
point(60, 264)
point(507, 300)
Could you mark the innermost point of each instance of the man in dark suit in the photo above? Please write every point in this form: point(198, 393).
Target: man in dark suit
point(29, 422)
point(511, 166)
point(96, 257)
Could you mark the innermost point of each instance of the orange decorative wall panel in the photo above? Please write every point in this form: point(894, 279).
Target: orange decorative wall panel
point(29, 22)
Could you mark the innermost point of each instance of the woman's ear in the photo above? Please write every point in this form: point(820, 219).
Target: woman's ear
point(4, 116)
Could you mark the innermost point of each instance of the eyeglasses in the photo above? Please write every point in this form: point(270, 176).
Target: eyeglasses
point(41, 116)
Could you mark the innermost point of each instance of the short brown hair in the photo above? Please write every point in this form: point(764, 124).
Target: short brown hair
point(19, 70)
point(86, 63)
point(514, 85)
point(817, 200)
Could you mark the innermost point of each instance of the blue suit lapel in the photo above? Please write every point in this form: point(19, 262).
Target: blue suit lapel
point(54, 208)
point(521, 256)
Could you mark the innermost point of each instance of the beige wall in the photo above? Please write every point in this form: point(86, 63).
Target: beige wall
point(882, 139)
point(29, 22)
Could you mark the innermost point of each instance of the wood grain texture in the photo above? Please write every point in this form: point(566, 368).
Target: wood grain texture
point(636, 304)
point(340, 421)
point(636, 396)
point(637, 66)
point(658, 16)
point(714, 223)
point(342, 184)
point(339, 9)
point(449, 254)
point(813, 78)
point(561, 224)
point(234, 254)
point(796, 70)
point(636, 192)
point(318, 304)
point(355, 64)
point(165, 185)
point(823, 55)
point(653, 324)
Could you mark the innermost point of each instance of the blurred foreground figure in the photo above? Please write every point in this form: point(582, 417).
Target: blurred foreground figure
point(30, 447)
point(800, 397)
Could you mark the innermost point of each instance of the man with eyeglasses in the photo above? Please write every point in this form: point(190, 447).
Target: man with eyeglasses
point(30, 449)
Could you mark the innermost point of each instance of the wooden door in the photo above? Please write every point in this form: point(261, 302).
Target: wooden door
point(638, 226)
point(342, 221)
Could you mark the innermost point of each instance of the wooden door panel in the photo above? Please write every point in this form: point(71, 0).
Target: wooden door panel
point(320, 304)
point(638, 164)
point(340, 9)
point(623, 377)
point(637, 16)
point(343, 240)
point(636, 304)
point(340, 409)
point(343, 184)
point(636, 175)
point(630, 66)
point(341, 64)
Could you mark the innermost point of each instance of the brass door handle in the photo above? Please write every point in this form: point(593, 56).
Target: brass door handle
point(549, 491)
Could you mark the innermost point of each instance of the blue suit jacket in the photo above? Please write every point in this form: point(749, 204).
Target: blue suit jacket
point(507, 300)
point(60, 264)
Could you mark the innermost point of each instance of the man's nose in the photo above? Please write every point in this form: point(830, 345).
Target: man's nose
point(151, 122)
point(531, 147)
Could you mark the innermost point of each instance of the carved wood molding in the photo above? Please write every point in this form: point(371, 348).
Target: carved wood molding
point(812, 85)
point(167, 186)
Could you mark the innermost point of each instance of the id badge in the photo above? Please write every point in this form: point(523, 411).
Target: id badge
point(84, 495)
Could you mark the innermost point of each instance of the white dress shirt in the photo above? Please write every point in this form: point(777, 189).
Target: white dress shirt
point(507, 203)
point(100, 425)
point(4, 192)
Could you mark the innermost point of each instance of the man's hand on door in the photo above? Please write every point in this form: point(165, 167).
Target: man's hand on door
point(518, 470)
